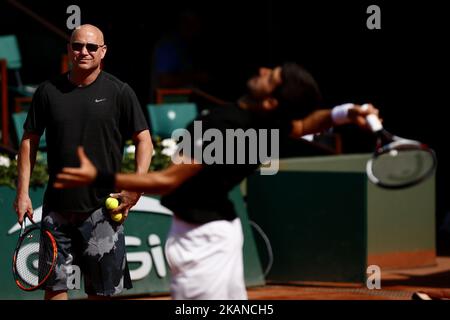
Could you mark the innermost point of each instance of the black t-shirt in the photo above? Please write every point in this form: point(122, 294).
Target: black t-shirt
point(100, 117)
point(204, 197)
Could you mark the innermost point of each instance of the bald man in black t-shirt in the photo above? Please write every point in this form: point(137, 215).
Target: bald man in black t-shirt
point(92, 108)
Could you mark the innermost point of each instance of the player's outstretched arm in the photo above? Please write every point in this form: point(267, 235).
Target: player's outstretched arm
point(159, 182)
point(323, 119)
point(25, 164)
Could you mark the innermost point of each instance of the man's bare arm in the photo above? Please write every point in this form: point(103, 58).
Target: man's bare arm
point(158, 182)
point(144, 149)
point(143, 156)
point(321, 120)
point(25, 164)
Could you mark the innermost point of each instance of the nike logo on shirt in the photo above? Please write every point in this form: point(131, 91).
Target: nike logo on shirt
point(100, 100)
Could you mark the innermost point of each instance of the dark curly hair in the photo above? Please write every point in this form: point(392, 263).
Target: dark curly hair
point(298, 95)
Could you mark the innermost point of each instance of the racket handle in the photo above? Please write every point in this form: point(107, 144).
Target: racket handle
point(373, 120)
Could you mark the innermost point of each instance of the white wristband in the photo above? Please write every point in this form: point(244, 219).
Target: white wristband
point(339, 114)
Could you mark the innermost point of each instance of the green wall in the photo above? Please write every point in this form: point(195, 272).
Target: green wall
point(317, 201)
point(146, 259)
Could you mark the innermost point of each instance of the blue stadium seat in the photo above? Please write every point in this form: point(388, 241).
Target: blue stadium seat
point(19, 119)
point(9, 51)
point(166, 117)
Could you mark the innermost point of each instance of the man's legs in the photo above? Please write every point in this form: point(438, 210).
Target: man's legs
point(55, 295)
point(62, 295)
point(94, 241)
point(95, 297)
point(59, 225)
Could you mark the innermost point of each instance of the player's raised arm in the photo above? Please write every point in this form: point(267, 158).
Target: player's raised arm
point(160, 182)
point(323, 119)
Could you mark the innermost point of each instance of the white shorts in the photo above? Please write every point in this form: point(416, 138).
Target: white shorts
point(206, 261)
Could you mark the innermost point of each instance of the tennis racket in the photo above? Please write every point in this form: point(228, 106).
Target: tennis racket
point(397, 162)
point(34, 257)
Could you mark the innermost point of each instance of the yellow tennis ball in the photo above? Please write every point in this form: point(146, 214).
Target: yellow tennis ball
point(111, 203)
point(117, 217)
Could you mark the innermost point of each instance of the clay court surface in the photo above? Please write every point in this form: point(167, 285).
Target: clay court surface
point(395, 285)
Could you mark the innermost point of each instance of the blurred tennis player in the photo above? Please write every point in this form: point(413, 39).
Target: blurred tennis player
point(204, 246)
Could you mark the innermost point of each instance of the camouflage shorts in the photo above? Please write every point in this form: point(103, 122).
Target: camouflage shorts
point(95, 244)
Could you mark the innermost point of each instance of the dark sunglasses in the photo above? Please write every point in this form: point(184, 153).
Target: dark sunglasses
point(91, 47)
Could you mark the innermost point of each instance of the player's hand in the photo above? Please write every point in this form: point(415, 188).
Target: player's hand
point(76, 177)
point(22, 205)
point(357, 114)
point(127, 199)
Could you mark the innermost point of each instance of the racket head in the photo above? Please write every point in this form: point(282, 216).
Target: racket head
point(401, 163)
point(34, 258)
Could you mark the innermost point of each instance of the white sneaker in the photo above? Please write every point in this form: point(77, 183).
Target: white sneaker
point(420, 296)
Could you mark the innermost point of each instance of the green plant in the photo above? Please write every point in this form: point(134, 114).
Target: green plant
point(162, 149)
point(160, 159)
point(8, 172)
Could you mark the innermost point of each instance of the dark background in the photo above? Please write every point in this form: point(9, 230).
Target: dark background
point(401, 68)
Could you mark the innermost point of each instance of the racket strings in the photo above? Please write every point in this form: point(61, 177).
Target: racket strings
point(35, 259)
point(397, 167)
point(46, 257)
